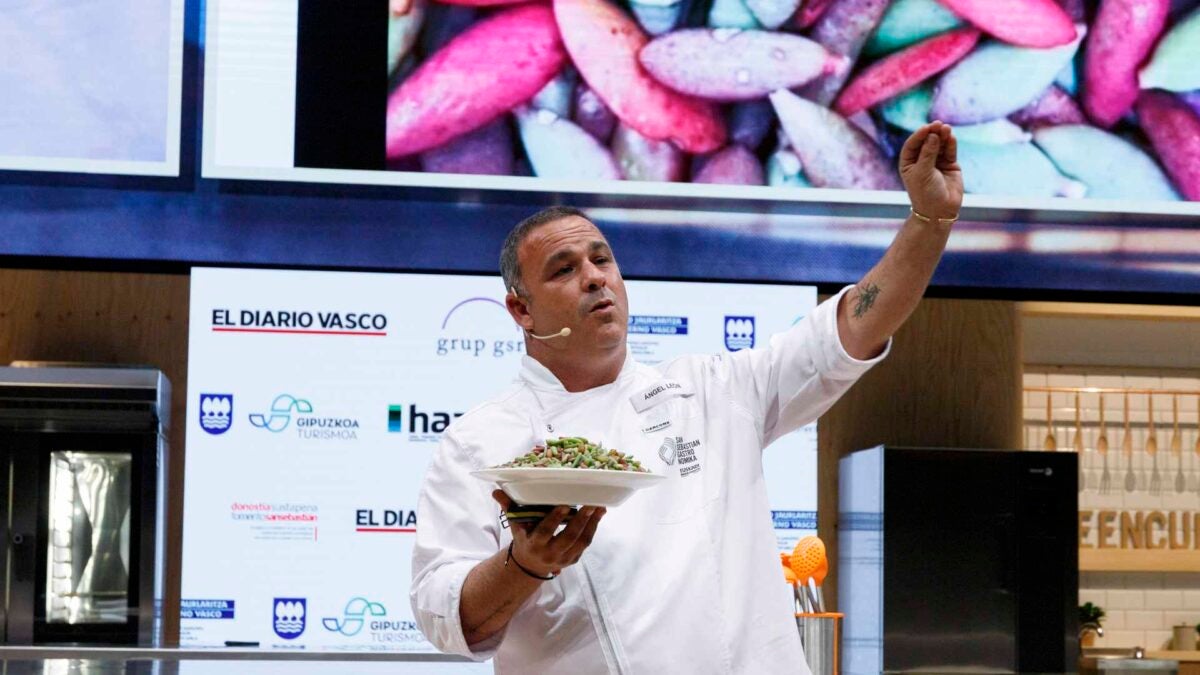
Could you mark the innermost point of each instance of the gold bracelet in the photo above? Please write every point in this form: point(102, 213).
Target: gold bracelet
point(942, 221)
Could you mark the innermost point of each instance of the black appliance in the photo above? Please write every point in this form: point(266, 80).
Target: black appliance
point(958, 560)
point(82, 465)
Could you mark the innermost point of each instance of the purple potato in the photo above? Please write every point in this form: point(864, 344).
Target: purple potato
point(843, 29)
point(592, 115)
point(486, 151)
point(750, 122)
point(641, 158)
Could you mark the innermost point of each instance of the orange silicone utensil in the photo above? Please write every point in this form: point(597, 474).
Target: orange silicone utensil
point(806, 560)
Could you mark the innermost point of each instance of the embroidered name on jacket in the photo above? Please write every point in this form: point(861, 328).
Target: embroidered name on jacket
point(657, 393)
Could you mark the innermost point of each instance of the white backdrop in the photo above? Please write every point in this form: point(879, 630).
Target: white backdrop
point(315, 401)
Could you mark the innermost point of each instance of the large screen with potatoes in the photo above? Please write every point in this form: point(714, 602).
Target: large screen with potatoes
point(1059, 105)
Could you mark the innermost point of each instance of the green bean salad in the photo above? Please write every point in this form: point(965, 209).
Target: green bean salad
point(573, 452)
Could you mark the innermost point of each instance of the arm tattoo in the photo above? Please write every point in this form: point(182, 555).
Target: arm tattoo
point(866, 299)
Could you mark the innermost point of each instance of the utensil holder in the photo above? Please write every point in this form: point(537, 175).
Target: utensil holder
point(821, 635)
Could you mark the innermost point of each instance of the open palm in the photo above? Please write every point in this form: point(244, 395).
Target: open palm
point(930, 171)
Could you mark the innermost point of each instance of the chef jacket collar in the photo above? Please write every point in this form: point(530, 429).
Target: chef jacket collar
point(540, 378)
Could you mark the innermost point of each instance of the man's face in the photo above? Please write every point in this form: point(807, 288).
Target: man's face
point(572, 280)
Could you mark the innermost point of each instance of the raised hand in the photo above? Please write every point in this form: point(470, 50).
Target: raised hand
point(930, 171)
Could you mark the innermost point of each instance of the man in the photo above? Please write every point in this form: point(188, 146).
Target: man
point(683, 577)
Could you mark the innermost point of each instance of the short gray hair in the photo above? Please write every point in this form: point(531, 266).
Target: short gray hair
point(510, 267)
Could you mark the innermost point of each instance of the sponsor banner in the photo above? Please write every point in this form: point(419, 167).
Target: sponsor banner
point(206, 609)
point(318, 400)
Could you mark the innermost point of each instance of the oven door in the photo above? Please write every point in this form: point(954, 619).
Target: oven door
point(78, 501)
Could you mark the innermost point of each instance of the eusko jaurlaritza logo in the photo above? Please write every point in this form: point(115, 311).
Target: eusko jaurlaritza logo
point(739, 332)
point(657, 325)
point(298, 413)
point(290, 616)
point(216, 413)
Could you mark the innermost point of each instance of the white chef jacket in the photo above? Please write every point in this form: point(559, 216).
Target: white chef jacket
point(684, 576)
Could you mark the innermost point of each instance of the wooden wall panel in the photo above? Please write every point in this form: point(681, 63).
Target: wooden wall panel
point(953, 379)
point(111, 318)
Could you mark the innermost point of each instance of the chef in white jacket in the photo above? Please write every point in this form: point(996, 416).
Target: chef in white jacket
point(684, 576)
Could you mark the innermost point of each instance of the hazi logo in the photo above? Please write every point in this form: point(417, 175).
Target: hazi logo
point(216, 413)
point(739, 332)
point(387, 520)
point(478, 327)
point(289, 617)
point(423, 426)
point(295, 322)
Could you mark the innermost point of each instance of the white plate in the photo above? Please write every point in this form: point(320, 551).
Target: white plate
point(576, 487)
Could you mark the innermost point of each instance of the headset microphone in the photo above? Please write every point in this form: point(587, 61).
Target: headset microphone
point(565, 332)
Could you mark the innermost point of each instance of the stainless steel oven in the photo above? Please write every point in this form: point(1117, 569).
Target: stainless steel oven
point(82, 470)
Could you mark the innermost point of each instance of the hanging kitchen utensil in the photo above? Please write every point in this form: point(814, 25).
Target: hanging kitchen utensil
point(1196, 449)
point(1102, 448)
point(1127, 451)
point(1177, 447)
point(1077, 445)
point(1152, 450)
point(1050, 443)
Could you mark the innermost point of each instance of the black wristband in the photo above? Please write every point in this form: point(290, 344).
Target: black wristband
point(522, 567)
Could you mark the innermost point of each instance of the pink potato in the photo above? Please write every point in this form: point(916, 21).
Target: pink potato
point(810, 12)
point(835, 153)
point(732, 165)
point(1026, 23)
point(905, 69)
point(464, 86)
point(729, 64)
point(604, 44)
point(1174, 130)
point(1121, 38)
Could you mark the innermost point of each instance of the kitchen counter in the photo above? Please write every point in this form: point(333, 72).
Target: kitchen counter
point(1193, 655)
point(169, 661)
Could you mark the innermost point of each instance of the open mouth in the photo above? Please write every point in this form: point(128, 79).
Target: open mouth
point(603, 304)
